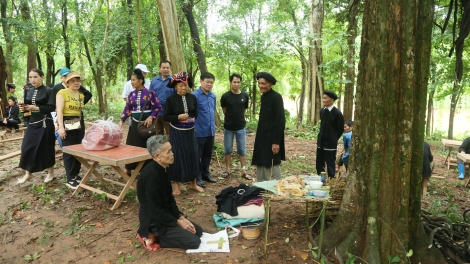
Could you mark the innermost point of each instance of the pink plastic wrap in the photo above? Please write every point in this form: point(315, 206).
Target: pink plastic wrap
point(104, 134)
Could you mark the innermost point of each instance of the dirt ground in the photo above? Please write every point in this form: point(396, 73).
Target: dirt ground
point(44, 223)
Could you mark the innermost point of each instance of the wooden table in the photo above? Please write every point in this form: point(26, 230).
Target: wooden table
point(115, 157)
point(466, 159)
point(450, 145)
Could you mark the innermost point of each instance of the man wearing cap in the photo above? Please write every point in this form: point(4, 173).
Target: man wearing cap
point(331, 129)
point(159, 86)
point(269, 147)
point(128, 86)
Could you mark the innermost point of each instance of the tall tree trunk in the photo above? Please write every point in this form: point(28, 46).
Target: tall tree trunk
point(49, 45)
point(3, 78)
point(187, 7)
point(254, 87)
point(457, 90)
point(171, 34)
point(348, 104)
point(103, 61)
point(315, 17)
point(129, 59)
point(161, 43)
point(94, 69)
point(429, 114)
point(139, 33)
point(39, 61)
point(380, 212)
point(31, 43)
point(8, 41)
point(64, 34)
point(340, 89)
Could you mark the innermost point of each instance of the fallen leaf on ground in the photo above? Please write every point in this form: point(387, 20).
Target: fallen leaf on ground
point(98, 224)
point(87, 220)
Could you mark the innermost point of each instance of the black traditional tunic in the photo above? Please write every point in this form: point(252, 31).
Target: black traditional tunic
point(271, 125)
point(331, 128)
point(182, 137)
point(157, 204)
point(37, 148)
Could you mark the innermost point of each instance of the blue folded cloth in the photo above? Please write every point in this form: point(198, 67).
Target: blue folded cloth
point(221, 221)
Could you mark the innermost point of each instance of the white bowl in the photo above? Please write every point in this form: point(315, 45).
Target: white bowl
point(319, 193)
point(316, 184)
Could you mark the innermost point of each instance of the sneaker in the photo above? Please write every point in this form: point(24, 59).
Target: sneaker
point(78, 179)
point(73, 184)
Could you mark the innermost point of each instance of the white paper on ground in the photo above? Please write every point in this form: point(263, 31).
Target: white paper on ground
point(210, 242)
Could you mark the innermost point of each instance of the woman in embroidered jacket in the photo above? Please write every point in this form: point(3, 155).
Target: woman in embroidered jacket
point(140, 100)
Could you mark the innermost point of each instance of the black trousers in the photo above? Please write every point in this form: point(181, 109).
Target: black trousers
point(71, 164)
point(177, 237)
point(11, 123)
point(205, 146)
point(328, 157)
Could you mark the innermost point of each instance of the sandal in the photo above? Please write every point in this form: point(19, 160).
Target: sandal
point(225, 174)
point(152, 247)
point(246, 176)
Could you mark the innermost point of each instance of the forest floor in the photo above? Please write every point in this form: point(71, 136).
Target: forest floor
point(44, 223)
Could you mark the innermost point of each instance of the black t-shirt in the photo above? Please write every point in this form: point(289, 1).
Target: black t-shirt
point(235, 112)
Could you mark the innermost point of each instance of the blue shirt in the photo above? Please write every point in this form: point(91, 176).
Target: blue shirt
point(158, 85)
point(205, 121)
point(347, 146)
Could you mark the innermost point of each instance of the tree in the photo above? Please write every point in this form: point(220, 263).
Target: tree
point(187, 7)
point(31, 43)
point(171, 34)
point(380, 212)
point(315, 22)
point(351, 64)
point(8, 41)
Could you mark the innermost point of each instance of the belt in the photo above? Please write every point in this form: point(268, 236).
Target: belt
point(42, 120)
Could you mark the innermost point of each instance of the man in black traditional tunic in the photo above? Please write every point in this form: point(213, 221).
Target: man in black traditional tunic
point(269, 147)
point(331, 129)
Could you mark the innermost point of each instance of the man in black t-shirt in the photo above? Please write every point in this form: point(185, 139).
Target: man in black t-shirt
point(234, 104)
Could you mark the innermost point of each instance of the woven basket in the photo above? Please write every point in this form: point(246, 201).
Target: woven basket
point(251, 232)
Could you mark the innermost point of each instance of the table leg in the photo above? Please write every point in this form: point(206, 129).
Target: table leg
point(448, 155)
point(306, 215)
point(123, 174)
point(322, 225)
point(85, 163)
point(129, 183)
point(87, 175)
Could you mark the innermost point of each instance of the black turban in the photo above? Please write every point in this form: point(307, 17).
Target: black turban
point(180, 77)
point(331, 94)
point(267, 76)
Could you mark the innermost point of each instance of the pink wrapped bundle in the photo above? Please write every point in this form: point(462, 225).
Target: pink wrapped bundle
point(104, 134)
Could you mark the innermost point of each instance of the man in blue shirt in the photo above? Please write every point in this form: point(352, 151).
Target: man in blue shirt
point(158, 85)
point(205, 126)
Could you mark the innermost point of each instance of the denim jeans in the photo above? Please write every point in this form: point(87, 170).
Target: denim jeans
point(241, 141)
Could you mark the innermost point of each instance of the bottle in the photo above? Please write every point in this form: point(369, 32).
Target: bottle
point(323, 176)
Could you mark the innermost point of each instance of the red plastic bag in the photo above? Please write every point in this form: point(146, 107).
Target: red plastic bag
point(104, 134)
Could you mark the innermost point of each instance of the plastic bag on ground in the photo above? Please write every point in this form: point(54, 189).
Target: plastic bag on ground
point(102, 135)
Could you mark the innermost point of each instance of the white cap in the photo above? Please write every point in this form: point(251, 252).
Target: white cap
point(142, 67)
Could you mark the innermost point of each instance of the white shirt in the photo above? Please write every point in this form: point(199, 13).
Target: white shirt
point(128, 88)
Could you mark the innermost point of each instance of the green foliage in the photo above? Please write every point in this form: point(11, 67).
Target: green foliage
point(446, 207)
point(391, 259)
point(437, 135)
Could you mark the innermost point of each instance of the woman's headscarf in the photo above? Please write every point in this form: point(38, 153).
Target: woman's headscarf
point(180, 77)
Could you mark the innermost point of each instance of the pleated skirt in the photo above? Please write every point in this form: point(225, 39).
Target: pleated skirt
point(184, 144)
point(38, 147)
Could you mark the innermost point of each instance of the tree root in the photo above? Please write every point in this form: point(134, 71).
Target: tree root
point(452, 239)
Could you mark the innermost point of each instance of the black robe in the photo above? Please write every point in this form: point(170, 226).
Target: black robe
point(38, 146)
point(427, 159)
point(157, 204)
point(271, 125)
point(331, 128)
point(465, 147)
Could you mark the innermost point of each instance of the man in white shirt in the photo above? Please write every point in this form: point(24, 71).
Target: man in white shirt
point(128, 86)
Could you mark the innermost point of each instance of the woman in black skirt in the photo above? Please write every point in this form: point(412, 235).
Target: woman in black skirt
point(38, 147)
point(140, 100)
point(181, 111)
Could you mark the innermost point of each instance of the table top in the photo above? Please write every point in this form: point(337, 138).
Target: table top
point(464, 157)
point(271, 187)
point(449, 143)
point(118, 156)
